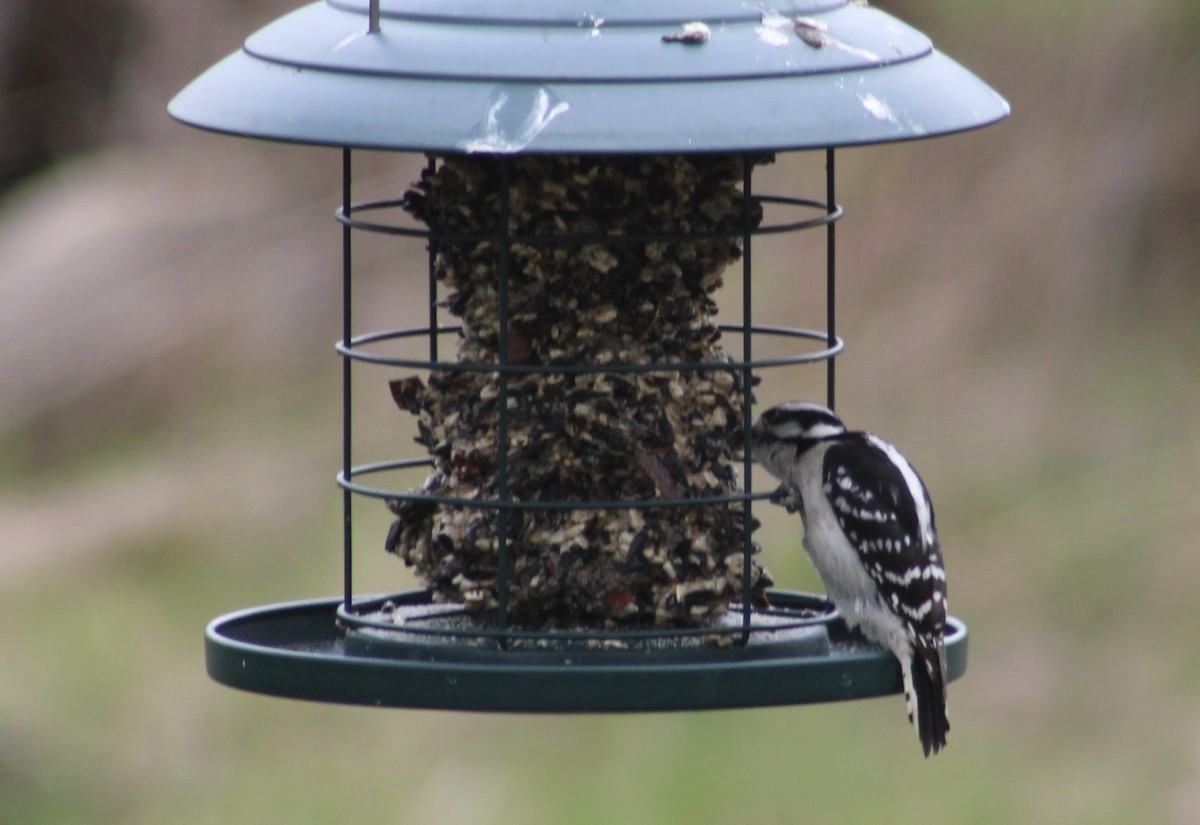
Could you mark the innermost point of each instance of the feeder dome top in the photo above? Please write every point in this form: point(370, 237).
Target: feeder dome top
point(588, 76)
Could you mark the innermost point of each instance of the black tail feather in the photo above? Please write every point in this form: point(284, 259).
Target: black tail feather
point(929, 687)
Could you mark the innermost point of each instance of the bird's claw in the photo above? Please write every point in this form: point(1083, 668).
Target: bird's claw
point(788, 498)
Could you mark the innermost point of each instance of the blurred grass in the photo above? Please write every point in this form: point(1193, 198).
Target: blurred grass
point(1020, 305)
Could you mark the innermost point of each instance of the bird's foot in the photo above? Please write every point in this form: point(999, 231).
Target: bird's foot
point(788, 498)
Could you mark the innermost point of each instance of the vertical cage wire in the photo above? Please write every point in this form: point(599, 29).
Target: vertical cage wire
point(830, 278)
point(358, 348)
point(502, 353)
point(747, 393)
point(347, 376)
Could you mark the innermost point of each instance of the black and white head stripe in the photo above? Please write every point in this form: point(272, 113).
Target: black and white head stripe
point(798, 420)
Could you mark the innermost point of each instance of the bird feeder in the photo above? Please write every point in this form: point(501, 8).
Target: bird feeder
point(581, 513)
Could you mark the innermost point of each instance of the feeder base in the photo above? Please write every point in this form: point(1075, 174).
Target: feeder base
point(299, 650)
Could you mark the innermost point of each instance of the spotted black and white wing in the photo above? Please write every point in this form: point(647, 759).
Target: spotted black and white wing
point(884, 510)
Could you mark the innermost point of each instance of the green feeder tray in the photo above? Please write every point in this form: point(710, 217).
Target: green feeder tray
point(425, 655)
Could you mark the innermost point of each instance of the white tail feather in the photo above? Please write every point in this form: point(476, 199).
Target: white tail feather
point(910, 694)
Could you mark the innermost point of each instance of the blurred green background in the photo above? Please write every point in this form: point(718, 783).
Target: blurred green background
point(1020, 305)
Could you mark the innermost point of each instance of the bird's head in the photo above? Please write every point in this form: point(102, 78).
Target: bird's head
point(797, 421)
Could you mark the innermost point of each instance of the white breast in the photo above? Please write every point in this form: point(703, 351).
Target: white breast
point(836, 560)
point(847, 581)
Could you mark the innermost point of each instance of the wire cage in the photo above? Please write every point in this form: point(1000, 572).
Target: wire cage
point(750, 645)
